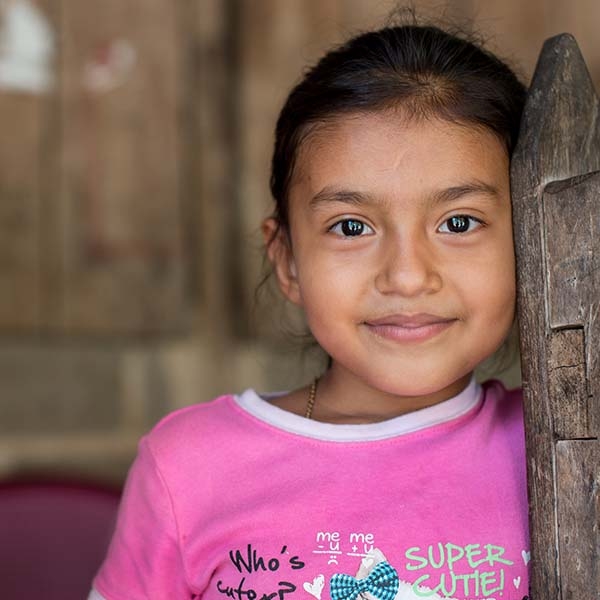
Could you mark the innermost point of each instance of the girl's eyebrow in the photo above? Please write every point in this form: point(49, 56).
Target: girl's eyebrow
point(466, 189)
point(329, 194)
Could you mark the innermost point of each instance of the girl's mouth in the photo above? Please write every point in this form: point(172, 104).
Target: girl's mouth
point(408, 328)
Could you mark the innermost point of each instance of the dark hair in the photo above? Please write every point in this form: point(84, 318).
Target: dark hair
point(423, 70)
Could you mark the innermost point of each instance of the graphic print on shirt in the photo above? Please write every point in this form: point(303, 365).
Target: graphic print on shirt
point(248, 562)
point(380, 588)
point(381, 582)
point(440, 571)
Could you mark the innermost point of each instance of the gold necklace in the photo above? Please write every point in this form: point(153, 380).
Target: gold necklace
point(312, 396)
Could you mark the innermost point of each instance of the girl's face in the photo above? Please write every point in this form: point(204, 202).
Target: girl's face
point(401, 251)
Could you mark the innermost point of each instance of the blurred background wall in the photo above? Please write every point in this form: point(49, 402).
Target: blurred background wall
point(136, 137)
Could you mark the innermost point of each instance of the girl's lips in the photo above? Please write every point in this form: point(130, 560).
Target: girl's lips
point(406, 328)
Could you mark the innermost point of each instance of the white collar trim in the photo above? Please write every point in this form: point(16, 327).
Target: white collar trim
point(437, 414)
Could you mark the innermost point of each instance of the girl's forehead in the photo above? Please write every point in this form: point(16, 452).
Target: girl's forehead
point(378, 150)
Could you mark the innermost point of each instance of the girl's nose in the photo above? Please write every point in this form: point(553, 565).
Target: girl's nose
point(408, 267)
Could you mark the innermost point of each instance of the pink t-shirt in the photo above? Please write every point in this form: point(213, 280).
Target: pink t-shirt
point(238, 499)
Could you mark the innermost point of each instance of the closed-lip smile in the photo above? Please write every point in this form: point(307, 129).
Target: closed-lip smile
point(409, 327)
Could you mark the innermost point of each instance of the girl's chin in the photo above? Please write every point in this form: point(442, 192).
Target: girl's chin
point(435, 390)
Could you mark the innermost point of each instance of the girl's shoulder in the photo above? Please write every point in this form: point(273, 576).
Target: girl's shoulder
point(198, 424)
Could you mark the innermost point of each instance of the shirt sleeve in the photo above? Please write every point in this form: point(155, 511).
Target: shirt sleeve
point(144, 559)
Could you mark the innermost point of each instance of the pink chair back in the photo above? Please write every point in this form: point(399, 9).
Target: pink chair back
point(53, 537)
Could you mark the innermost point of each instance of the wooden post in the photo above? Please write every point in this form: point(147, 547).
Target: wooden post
point(556, 214)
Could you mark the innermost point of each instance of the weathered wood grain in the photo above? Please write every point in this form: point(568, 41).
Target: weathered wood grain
point(559, 140)
point(569, 231)
point(571, 234)
point(567, 384)
point(578, 477)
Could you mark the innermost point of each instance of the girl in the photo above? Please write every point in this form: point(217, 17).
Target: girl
point(394, 474)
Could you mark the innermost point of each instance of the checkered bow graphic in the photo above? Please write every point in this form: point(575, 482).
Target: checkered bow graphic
point(382, 583)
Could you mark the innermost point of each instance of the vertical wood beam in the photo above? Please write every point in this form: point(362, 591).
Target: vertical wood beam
point(559, 140)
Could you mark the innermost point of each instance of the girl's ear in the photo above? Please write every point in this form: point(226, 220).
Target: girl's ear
point(281, 257)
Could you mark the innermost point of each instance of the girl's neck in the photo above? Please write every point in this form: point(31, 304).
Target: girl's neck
point(343, 398)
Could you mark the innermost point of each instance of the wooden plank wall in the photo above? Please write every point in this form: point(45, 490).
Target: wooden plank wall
point(91, 200)
point(119, 172)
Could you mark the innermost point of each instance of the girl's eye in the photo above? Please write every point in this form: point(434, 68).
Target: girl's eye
point(351, 228)
point(459, 224)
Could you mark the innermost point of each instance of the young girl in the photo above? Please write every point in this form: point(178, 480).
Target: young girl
point(394, 474)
